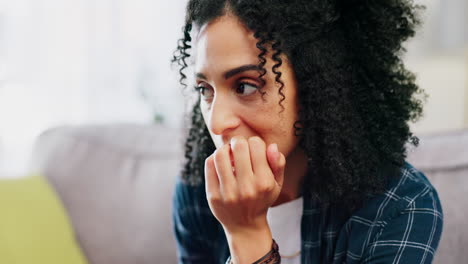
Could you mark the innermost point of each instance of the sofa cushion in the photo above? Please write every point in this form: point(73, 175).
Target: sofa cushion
point(34, 227)
point(116, 182)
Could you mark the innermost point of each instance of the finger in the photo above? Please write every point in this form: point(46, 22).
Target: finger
point(211, 179)
point(277, 162)
point(241, 156)
point(258, 156)
point(223, 167)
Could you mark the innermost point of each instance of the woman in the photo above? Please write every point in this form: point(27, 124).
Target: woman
point(296, 151)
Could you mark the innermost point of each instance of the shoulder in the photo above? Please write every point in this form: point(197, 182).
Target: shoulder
point(413, 190)
point(411, 185)
point(408, 215)
point(410, 190)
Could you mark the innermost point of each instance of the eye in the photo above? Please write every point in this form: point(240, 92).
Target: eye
point(245, 89)
point(206, 92)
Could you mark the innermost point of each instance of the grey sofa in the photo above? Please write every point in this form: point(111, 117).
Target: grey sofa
point(116, 183)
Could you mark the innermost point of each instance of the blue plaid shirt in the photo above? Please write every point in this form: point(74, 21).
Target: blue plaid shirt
point(403, 225)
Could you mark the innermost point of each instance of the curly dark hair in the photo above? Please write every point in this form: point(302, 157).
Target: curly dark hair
point(356, 96)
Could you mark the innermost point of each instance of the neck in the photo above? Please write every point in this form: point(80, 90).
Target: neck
point(294, 174)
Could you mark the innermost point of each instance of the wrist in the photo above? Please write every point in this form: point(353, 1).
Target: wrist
point(241, 240)
point(257, 226)
point(272, 257)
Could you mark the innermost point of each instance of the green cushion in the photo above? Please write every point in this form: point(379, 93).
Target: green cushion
point(34, 227)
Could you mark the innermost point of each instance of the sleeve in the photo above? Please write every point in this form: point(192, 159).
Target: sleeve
point(412, 236)
point(191, 225)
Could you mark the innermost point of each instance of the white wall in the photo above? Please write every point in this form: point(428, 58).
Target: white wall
point(444, 78)
point(83, 61)
point(439, 57)
point(89, 61)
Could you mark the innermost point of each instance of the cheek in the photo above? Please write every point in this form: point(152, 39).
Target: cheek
point(204, 111)
point(278, 124)
point(274, 127)
point(260, 117)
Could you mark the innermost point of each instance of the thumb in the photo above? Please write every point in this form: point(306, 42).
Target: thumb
point(277, 163)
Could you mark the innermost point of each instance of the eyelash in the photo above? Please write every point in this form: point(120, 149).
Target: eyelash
point(198, 88)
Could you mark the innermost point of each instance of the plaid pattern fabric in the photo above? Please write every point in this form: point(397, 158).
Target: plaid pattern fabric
point(403, 225)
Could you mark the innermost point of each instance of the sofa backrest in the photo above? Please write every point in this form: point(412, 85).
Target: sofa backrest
point(116, 183)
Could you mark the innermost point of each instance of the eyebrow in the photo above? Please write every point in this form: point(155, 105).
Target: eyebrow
point(228, 74)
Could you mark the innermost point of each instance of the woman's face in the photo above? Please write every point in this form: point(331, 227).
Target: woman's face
point(225, 67)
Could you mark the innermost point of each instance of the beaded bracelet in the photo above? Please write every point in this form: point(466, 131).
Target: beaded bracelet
point(272, 257)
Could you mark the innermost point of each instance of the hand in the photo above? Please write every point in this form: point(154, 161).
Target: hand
point(239, 192)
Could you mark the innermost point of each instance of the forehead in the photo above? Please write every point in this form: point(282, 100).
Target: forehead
point(224, 43)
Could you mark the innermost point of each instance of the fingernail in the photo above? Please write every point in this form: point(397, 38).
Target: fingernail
point(275, 148)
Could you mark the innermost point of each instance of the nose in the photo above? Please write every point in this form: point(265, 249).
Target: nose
point(222, 115)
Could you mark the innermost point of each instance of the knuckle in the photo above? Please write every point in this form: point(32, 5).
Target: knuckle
point(265, 187)
point(230, 200)
point(247, 196)
point(210, 196)
point(209, 160)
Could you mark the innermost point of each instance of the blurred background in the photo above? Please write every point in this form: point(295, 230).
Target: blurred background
point(77, 62)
